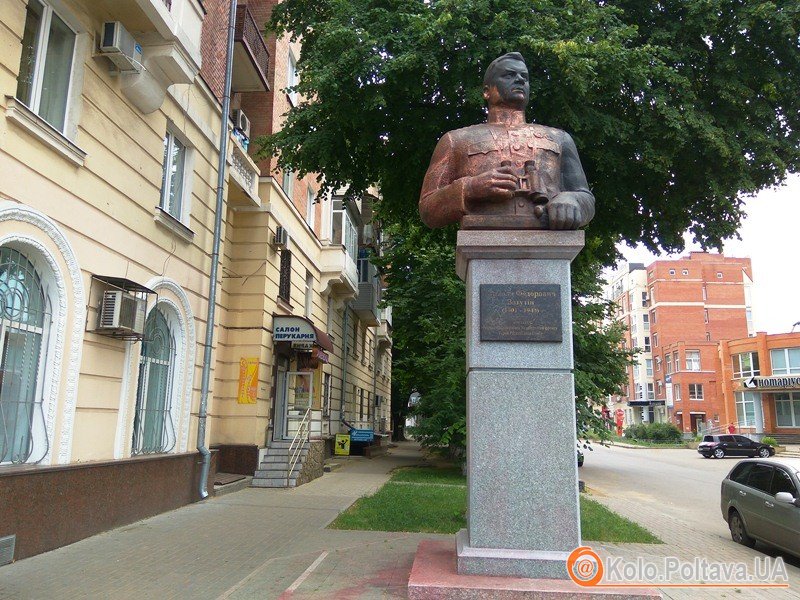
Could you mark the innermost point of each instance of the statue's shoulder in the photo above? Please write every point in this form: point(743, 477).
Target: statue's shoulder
point(545, 131)
point(468, 135)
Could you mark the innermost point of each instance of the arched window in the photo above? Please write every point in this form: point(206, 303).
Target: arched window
point(24, 326)
point(153, 429)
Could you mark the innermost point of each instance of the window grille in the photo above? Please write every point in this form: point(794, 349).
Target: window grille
point(153, 429)
point(25, 320)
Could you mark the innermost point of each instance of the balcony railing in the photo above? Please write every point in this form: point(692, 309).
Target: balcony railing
point(369, 294)
point(244, 174)
point(251, 57)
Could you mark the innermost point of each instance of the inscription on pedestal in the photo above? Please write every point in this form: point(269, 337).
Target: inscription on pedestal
point(520, 313)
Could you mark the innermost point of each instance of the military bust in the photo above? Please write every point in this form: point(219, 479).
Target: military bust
point(506, 173)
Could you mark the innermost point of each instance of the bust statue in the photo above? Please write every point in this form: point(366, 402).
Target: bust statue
point(506, 173)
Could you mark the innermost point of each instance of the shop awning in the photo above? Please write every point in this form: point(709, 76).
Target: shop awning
point(292, 328)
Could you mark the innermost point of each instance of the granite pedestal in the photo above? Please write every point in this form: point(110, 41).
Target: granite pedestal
point(523, 515)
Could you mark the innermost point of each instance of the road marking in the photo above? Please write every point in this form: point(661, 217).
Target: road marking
point(304, 575)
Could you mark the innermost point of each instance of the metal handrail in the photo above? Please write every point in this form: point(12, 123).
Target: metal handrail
point(293, 454)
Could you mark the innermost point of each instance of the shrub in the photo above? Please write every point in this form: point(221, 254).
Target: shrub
point(769, 440)
point(657, 432)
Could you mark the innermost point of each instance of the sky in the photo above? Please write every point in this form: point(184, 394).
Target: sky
point(769, 236)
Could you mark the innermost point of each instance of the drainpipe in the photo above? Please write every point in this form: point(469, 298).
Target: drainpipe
point(345, 349)
point(212, 284)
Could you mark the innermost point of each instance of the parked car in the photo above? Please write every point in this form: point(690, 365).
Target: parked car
point(720, 446)
point(760, 501)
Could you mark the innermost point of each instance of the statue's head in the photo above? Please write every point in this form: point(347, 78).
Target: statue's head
point(506, 82)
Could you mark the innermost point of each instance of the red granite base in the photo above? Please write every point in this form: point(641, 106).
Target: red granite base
point(434, 577)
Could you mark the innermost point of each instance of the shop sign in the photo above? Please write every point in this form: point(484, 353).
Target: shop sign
point(362, 435)
point(248, 381)
point(771, 383)
point(342, 446)
point(302, 346)
point(293, 329)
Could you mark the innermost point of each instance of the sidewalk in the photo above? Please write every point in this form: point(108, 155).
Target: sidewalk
point(255, 543)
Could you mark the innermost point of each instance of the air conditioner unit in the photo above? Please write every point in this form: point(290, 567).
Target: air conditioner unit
point(241, 123)
point(281, 237)
point(368, 234)
point(121, 48)
point(122, 312)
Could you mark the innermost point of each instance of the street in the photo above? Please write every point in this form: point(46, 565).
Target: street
point(676, 494)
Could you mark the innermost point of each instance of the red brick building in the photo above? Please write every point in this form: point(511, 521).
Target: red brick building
point(687, 306)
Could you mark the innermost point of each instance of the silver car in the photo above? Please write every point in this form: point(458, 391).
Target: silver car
point(760, 501)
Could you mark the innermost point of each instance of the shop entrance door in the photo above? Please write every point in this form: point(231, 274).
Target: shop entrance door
point(296, 396)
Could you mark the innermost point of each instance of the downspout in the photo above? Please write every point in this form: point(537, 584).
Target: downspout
point(212, 284)
point(345, 349)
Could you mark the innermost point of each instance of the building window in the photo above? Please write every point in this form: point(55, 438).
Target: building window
point(648, 366)
point(360, 404)
point(647, 343)
point(634, 329)
point(785, 361)
point(285, 284)
point(746, 408)
point(291, 79)
point(668, 363)
point(153, 429)
point(745, 365)
point(355, 338)
point(309, 293)
point(692, 360)
point(685, 272)
point(705, 293)
point(646, 319)
point(658, 363)
point(644, 298)
point(708, 336)
point(24, 326)
point(672, 271)
point(48, 46)
point(652, 295)
point(676, 360)
point(326, 395)
point(676, 390)
point(787, 409)
point(655, 339)
point(651, 394)
point(705, 315)
point(719, 275)
point(660, 388)
point(653, 316)
point(288, 183)
point(695, 391)
point(310, 208)
point(173, 177)
point(329, 317)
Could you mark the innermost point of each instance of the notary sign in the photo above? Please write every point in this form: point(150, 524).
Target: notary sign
point(520, 313)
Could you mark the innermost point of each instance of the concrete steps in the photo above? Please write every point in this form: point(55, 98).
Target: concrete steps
point(271, 472)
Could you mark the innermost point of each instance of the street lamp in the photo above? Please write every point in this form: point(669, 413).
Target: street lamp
point(793, 326)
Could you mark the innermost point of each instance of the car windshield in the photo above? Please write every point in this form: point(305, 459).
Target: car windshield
point(708, 438)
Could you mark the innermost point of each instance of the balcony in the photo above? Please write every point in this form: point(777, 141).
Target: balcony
point(244, 173)
point(383, 334)
point(250, 55)
point(366, 305)
point(338, 273)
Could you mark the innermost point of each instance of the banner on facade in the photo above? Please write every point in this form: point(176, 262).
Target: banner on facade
point(248, 381)
point(772, 383)
point(342, 447)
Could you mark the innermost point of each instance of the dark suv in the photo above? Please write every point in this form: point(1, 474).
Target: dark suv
point(720, 446)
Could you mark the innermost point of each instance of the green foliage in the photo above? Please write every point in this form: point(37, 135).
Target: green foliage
point(676, 106)
point(655, 432)
point(769, 440)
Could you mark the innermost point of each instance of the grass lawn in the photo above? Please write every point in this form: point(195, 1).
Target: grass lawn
point(435, 501)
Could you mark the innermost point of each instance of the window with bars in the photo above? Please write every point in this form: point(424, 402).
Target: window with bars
point(153, 428)
point(25, 319)
point(285, 284)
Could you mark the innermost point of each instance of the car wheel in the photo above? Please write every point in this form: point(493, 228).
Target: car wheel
point(738, 532)
point(719, 453)
point(763, 452)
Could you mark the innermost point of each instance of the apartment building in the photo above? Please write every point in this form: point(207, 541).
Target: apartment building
point(110, 138)
point(687, 305)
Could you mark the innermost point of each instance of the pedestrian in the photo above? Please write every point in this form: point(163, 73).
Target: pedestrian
point(731, 428)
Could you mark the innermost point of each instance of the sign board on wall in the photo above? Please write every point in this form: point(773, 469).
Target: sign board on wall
point(774, 382)
point(248, 381)
point(293, 329)
point(362, 435)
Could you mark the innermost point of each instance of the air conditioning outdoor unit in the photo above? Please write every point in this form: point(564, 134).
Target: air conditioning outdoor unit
point(241, 122)
point(122, 312)
point(369, 234)
point(281, 237)
point(121, 48)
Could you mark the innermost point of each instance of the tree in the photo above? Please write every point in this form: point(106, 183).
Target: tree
point(677, 106)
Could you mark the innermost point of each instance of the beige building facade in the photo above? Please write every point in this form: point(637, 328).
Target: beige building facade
point(110, 119)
